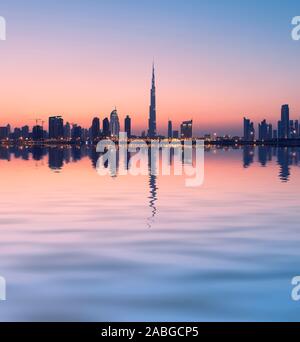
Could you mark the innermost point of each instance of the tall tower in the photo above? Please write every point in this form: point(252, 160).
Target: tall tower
point(95, 128)
point(128, 126)
point(114, 124)
point(285, 122)
point(170, 129)
point(152, 133)
point(56, 127)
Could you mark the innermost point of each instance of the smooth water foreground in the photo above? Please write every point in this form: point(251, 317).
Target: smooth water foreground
point(75, 246)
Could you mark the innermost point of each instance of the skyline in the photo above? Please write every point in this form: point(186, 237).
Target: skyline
point(59, 130)
point(287, 129)
point(71, 59)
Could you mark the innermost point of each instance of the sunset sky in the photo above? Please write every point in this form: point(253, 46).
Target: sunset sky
point(216, 61)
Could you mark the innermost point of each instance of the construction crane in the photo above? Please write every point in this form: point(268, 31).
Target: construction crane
point(37, 121)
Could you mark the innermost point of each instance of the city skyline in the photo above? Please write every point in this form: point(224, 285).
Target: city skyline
point(111, 127)
point(286, 128)
point(210, 77)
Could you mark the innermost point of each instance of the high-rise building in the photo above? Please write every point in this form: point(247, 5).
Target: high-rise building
point(279, 130)
point(95, 129)
point(186, 129)
point(285, 122)
point(265, 131)
point(297, 132)
point(128, 126)
point(56, 127)
point(170, 129)
point(17, 133)
point(249, 131)
point(175, 134)
point(270, 132)
point(85, 134)
point(76, 132)
point(114, 124)
point(37, 133)
point(152, 131)
point(67, 131)
point(25, 132)
point(4, 133)
point(106, 127)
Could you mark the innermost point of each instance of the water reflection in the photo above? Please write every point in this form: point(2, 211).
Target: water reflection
point(153, 188)
point(285, 157)
point(59, 156)
point(76, 246)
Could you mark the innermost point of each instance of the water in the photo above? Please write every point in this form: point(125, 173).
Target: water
point(75, 246)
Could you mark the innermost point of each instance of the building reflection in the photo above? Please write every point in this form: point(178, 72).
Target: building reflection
point(284, 157)
point(152, 168)
point(56, 158)
point(248, 155)
point(284, 163)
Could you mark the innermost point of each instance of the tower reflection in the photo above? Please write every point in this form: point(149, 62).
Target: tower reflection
point(284, 157)
point(152, 186)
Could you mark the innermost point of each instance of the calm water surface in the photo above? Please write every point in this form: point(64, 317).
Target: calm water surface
point(75, 246)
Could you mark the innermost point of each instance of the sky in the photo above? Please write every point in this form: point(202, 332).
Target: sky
point(216, 61)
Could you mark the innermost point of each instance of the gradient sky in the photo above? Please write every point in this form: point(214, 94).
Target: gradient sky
point(217, 60)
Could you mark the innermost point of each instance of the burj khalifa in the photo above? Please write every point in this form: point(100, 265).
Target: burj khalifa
point(152, 133)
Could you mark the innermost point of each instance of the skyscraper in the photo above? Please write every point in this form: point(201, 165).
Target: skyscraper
point(114, 124)
point(186, 129)
point(170, 129)
point(56, 127)
point(128, 126)
point(76, 132)
point(175, 134)
point(249, 131)
point(152, 132)
point(106, 125)
point(296, 129)
point(265, 131)
point(95, 129)
point(25, 132)
point(285, 122)
point(37, 133)
point(67, 131)
point(4, 133)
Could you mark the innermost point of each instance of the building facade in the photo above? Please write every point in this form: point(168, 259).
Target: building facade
point(114, 124)
point(186, 130)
